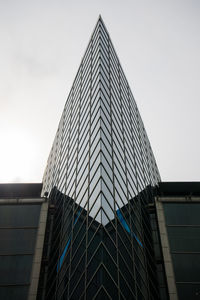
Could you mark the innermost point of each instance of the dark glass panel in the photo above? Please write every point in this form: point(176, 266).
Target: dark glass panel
point(17, 241)
point(15, 269)
point(182, 213)
point(188, 291)
point(19, 215)
point(14, 292)
point(184, 238)
point(186, 266)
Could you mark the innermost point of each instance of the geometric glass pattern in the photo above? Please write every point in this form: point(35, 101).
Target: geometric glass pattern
point(99, 176)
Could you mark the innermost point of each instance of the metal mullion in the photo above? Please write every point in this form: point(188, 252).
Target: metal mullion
point(82, 142)
point(79, 203)
point(117, 116)
point(104, 33)
point(103, 41)
point(95, 73)
point(95, 59)
point(102, 288)
point(104, 57)
point(113, 53)
point(62, 279)
point(118, 156)
point(72, 208)
point(146, 285)
point(84, 115)
point(76, 97)
point(114, 78)
point(120, 176)
point(104, 68)
point(105, 98)
point(102, 131)
point(96, 85)
point(104, 229)
point(117, 122)
point(106, 173)
point(138, 220)
point(127, 266)
point(101, 264)
point(71, 166)
point(107, 203)
point(128, 141)
point(124, 79)
point(70, 120)
point(79, 258)
point(105, 112)
point(95, 70)
point(78, 234)
point(122, 240)
point(83, 155)
point(89, 210)
point(93, 176)
point(88, 178)
point(140, 149)
point(95, 97)
point(77, 282)
point(119, 142)
point(95, 65)
point(109, 273)
point(127, 284)
point(95, 139)
point(85, 68)
point(82, 191)
point(129, 152)
point(61, 145)
point(72, 152)
point(94, 232)
point(94, 272)
point(95, 162)
point(83, 221)
point(106, 128)
point(83, 181)
point(95, 37)
point(131, 123)
point(105, 156)
point(95, 147)
point(112, 157)
point(104, 77)
point(93, 120)
point(104, 86)
point(85, 93)
point(87, 53)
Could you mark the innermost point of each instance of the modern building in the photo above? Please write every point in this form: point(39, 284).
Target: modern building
point(102, 225)
point(100, 177)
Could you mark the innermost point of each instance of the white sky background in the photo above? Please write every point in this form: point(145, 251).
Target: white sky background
point(42, 43)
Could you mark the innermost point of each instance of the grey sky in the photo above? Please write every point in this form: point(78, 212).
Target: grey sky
point(42, 43)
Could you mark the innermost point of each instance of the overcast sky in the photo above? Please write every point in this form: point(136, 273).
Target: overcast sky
point(42, 43)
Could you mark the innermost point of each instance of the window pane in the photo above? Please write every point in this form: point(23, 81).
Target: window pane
point(15, 269)
point(17, 241)
point(184, 238)
point(19, 215)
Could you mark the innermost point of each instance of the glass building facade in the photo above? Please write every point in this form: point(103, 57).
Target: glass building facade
point(99, 179)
